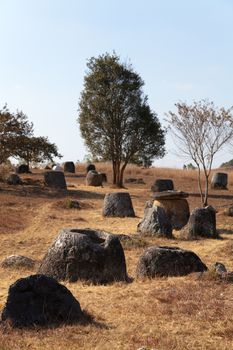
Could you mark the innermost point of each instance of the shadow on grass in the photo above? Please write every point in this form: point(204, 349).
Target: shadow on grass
point(45, 192)
point(85, 320)
point(216, 196)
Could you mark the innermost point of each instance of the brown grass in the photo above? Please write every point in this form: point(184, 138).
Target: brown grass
point(165, 313)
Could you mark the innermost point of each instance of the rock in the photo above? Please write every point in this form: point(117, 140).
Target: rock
point(155, 222)
point(93, 178)
point(18, 261)
point(57, 167)
point(39, 300)
point(161, 185)
point(228, 211)
point(90, 167)
point(47, 167)
point(22, 169)
point(13, 179)
point(69, 167)
point(118, 204)
point(202, 222)
point(85, 254)
point(219, 181)
point(104, 177)
point(55, 179)
point(168, 261)
point(177, 209)
point(220, 269)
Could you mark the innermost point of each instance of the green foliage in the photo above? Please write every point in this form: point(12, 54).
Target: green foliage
point(13, 128)
point(72, 204)
point(36, 149)
point(17, 139)
point(115, 119)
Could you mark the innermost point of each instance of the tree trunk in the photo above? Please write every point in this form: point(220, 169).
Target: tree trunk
point(206, 190)
point(199, 185)
point(122, 174)
point(117, 179)
point(114, 172)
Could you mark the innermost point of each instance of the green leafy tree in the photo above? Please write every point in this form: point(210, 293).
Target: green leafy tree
point(36, 149)
point(13, 128)
point(115, 119)
point(18, 141)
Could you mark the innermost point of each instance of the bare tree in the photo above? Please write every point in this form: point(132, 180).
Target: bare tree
point(201, 130)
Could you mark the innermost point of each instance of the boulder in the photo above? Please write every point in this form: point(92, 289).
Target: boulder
point(69, 167)
point(161, 185)
point(155, 222)
point(85, 254)
point(13, 179)
point(55, 179)
point(118, 204)
point(219, 269)
point(18, 261)
point(175, 206)
point(168, 261)
point(93, 178)
point(90, 167)
point(202, 222)
point(22, 169)
point(219, 181)
point(39, 300)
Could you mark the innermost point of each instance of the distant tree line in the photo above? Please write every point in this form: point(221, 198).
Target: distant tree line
point(17, 139)
point(228, 164)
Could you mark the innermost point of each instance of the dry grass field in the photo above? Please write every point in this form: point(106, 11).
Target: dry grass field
point(164, 313)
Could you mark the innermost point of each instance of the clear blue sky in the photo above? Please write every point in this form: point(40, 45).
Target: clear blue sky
point(183, 50)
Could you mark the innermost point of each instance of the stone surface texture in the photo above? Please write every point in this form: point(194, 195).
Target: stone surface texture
point(155, 222)
point(118, 204)
point(202, 222)
point(168, 261)
point(39, 300)
point(93, 178)
point(69, 167)
point(55, 179)
point(161, 185)
point(85, 254)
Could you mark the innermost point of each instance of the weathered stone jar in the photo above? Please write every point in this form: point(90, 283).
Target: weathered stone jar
point(55, 179)
point(175, 205)
point(93, 178)
point(69, 167)
point(219, 181)
point(161, 185)
point(155, 222)
point(39, 300)
point(85, 254)
point(168, 261)
point(118, 204)
point(202, 222)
